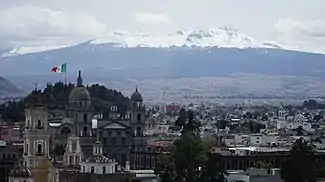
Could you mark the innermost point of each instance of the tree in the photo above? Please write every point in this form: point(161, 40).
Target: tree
point(192, 125)
point(181, 120)
point(191, 159)
point(317, 118)
point(300, 131)
point(255, 127)
point(213, 170)
point(57, 96)
point(59, 150)
point(301, 165)
point(262, 165)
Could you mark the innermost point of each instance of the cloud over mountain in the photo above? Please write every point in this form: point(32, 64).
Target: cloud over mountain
point(308, 35)
point(152, 18)
point(32, 24)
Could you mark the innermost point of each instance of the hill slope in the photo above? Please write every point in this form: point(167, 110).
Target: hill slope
point(8, 88)
point(105, 59)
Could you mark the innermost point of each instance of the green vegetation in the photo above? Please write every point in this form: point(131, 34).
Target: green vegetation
point(59, 150)
point(56, 97)
point(191, 159)
point(301, 165)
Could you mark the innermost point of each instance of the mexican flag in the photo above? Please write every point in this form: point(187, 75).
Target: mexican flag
point(60, 69)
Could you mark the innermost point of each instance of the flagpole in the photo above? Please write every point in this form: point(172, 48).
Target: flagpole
point(65, 77)
point(65, 74)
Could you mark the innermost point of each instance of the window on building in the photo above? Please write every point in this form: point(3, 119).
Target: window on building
point(119, 133)
point(83, 169)
point(85, 118)
point(85, 131)
point(27, 148)
point(123, 141)
point(39, 124)
point(105, 140)
point(73, 148)
point(39, 148)
point(139, 131)
point(104, 169)
point(113, 141)
point(92, 169)
point(139, 117)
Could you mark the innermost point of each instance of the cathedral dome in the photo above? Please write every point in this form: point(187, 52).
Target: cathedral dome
point(136, 96)
point(79, 94)
point(20, 171)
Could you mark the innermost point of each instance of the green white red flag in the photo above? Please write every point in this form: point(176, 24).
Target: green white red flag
point(60, 69)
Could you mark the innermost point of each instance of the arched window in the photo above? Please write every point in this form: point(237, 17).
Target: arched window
point(85, 117)
point(39, 148)
point(139, 117)
point(26, 150)
point(74, 148)
point(85, 131)
point(39, 124)
point(139, 131)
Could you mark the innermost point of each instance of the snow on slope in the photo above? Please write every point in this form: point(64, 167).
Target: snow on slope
point(197, 37)
point(221, 37)
point(27, 50)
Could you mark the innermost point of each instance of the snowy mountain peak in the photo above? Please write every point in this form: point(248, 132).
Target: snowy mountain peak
point(222, 37)
point(226, 36)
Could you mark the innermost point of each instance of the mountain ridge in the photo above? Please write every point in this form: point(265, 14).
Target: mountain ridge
point(8, 88)
point(195, 37)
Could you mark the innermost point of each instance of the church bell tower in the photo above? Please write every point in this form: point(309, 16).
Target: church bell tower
point(36, 133)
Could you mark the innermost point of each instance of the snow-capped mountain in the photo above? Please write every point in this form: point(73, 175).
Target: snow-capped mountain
point(29, 49)
point(220, 37)
point(196, 37)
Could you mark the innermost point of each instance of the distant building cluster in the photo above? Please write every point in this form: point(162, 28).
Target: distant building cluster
point(76, 144)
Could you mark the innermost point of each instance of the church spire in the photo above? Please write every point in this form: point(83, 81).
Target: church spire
point(79, 79)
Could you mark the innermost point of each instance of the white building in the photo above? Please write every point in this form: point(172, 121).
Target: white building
point(73, 153)
point(262, 140)
point(98, 163)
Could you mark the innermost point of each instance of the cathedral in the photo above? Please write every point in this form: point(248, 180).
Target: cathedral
point(74, 128)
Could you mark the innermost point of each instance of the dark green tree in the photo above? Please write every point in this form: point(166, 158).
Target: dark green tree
point(181, 120)
point(191, 159)
point(58, 150)
point(300, 131)
point(301, 164)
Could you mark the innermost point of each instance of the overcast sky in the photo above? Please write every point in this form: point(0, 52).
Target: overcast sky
point(298, 24)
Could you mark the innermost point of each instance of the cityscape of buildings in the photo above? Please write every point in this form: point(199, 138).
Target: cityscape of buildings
point(76, 144)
